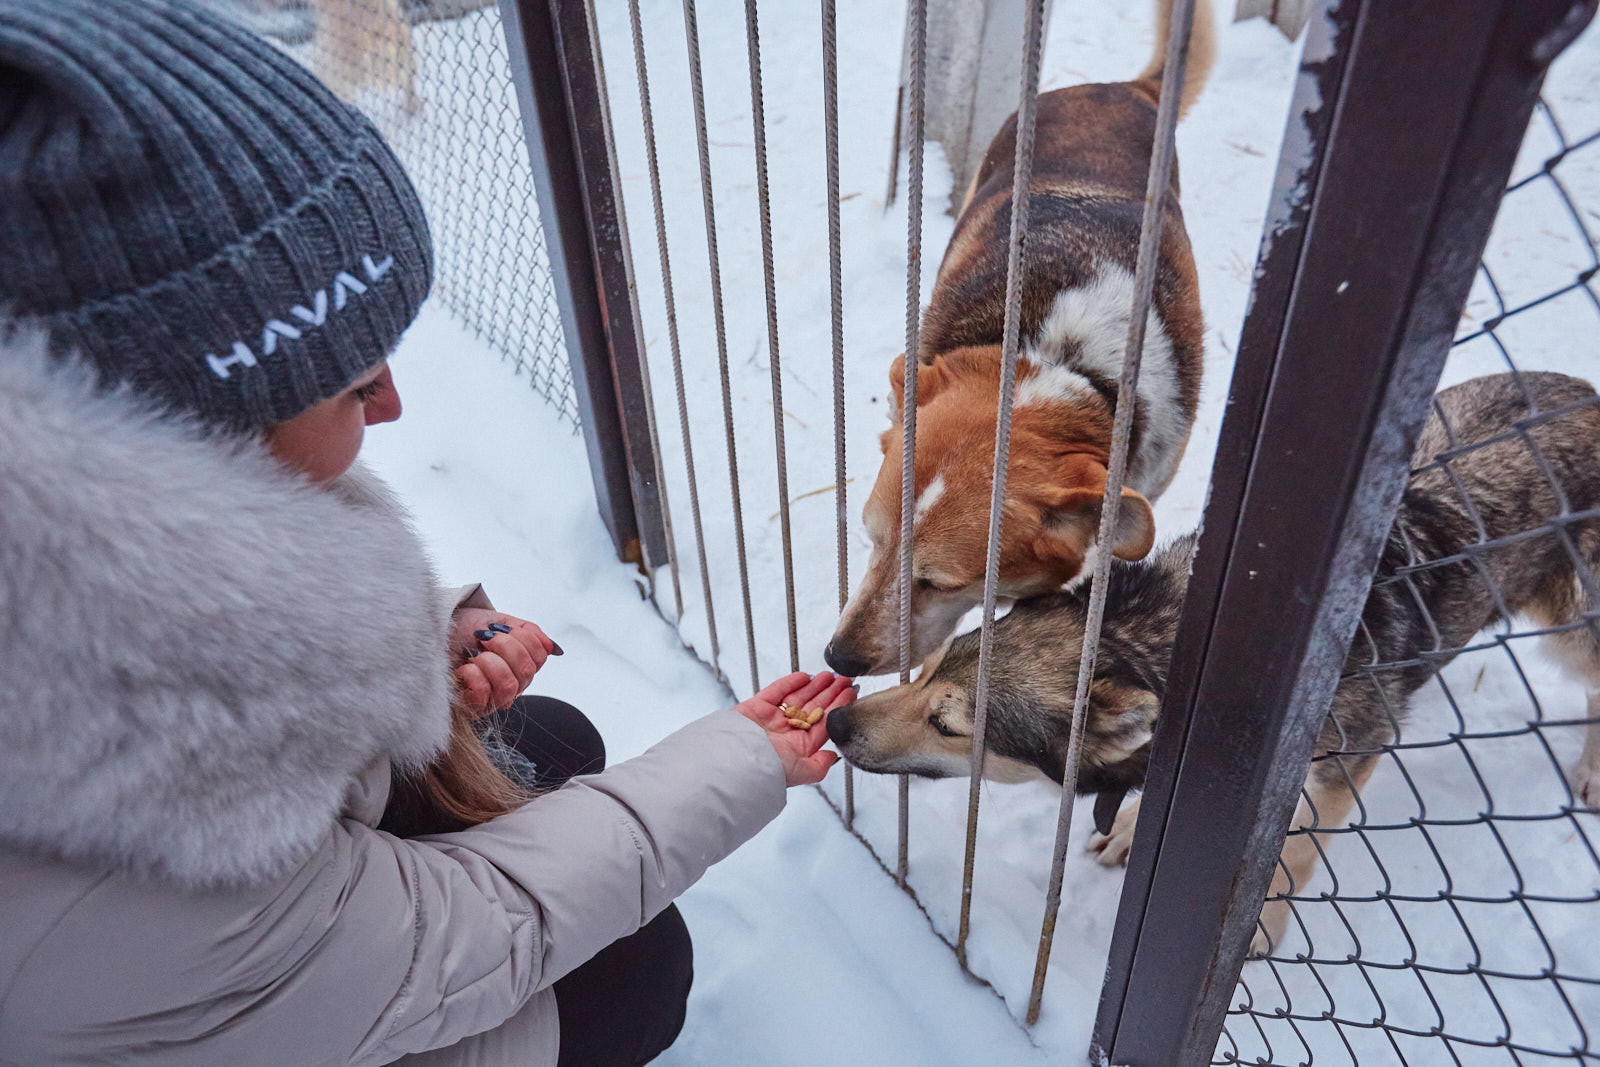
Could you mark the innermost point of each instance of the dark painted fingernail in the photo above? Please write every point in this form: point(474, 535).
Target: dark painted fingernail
point(499, 627)
point(556, 650)
point(474, 653)
point(856, 687)
point(483, 635)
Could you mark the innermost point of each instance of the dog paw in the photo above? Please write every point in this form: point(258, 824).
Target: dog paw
point(1586, 783)
point(1111, 850)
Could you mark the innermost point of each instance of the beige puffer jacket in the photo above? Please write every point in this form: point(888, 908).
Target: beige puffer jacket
point(208, 667)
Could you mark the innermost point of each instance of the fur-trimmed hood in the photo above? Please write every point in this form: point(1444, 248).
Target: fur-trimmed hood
point(200, 651)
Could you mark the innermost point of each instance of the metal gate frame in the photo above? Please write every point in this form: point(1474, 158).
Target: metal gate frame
point(1413, 114)
point(555, 64)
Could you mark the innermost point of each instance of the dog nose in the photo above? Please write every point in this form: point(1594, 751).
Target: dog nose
point(839, 727)
point(844, 661)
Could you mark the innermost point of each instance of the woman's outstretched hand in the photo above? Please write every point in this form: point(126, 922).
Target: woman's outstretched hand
point(497, 655)
point(804, 762)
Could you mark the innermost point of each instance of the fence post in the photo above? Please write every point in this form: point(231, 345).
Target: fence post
point(973, 69)
point(555, 64)
point(1409, 117)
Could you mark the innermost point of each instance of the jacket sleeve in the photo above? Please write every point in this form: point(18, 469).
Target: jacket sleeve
point(498, 912)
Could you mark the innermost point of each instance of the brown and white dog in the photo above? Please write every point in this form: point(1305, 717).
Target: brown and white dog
point(1091, 157)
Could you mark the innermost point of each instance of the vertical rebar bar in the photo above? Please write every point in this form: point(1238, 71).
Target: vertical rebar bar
point(1161, 155)
point(752, 29)
point(692, 36)
point(1022, 173)
point(672, 329)
point(917, 13)
point(830, 113)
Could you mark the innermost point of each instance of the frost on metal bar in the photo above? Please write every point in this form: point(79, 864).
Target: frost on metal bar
point(692, 37)
point(1022, 175)
point(917, 26)
point(1144, 283)
point(672, 339)
point(752, 27)
point(830, 113)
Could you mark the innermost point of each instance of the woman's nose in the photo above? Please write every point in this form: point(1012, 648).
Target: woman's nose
point(385, 407)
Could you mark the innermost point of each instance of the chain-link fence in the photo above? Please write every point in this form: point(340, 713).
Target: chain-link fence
point(434, 77)
point(1452, 920)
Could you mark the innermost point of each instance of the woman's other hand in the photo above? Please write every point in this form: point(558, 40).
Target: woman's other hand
point(497, 655)
point(804, 762)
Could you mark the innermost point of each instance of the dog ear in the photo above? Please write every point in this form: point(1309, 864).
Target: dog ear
point(1072, 512)
point(1075, 515)
point(931, 378)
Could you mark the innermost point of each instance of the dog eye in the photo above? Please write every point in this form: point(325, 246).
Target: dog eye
point(928, 585)
point(938, 723)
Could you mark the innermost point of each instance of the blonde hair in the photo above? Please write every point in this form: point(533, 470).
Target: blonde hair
point(464, 785)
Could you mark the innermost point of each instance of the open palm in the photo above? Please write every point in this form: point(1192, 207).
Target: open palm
point(804, 762)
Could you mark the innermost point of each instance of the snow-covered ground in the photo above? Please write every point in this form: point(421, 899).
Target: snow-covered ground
point(501, 489)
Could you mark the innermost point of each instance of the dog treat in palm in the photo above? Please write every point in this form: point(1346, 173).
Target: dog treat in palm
point(814, 717)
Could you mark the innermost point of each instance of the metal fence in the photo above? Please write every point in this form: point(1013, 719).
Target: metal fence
point(1446, 921)
point(435, 77)
point(1243, 706)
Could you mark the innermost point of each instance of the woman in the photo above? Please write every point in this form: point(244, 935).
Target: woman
point(226, 661)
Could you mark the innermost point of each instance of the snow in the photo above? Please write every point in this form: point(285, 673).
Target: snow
point(801, 928)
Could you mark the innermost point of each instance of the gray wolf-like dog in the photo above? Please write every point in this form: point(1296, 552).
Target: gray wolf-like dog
point(925, 727)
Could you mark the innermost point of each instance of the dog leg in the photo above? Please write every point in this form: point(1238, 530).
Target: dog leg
point(1325, 804)
point(1112, 849)
point(1586, 774)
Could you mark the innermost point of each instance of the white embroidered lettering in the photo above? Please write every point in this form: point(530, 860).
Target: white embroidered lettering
point(317, 318)
point(274, 329)
point(241, 354)
point(345, 283)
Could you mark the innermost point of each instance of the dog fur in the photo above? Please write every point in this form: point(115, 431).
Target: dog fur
point(1091, 158)
point(362, 45)
point(926, 727)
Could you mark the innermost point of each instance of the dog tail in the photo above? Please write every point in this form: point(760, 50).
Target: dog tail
point(1202, 51)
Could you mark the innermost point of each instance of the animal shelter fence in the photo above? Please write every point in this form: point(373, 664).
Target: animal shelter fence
point(1403, 154)
point(1332, 434)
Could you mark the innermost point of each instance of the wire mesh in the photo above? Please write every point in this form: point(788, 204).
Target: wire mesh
point(1449, 917)
point(434, 77)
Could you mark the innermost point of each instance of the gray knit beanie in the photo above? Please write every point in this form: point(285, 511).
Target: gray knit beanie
point(194, 212)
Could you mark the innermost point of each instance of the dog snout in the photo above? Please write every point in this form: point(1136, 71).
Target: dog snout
point(845, 660)
point(840, 728)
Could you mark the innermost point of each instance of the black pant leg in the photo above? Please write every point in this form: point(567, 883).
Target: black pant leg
point(626, 1006)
